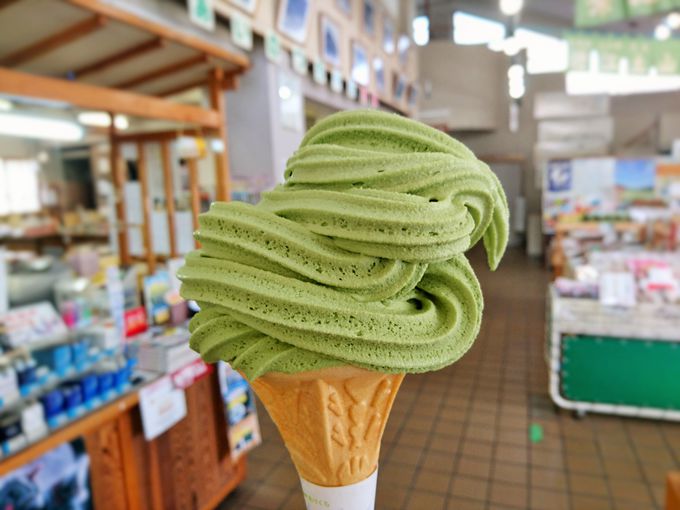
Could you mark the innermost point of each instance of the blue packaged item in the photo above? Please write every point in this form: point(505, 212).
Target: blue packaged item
point(53, 403)
point(121, 377)
point(26, 374)
point(104, 383)
point(88, 387)
point(73, 398)
point(79, 354)
point(57, 358)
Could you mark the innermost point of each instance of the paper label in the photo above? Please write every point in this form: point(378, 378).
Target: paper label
point(161, 406)
point(359, 496)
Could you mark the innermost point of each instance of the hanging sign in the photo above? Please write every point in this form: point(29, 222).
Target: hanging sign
point(300, 63)
point(241, 32)
point(352, 91)
point(320, 75)
point(272, 47)
point(202, 13)
point(336, 81)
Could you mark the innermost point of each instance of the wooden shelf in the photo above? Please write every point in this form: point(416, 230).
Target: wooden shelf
point(77, 428)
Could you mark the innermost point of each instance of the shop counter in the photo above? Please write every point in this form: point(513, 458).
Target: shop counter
point(616, 361)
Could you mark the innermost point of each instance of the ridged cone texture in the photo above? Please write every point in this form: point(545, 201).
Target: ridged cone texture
point(331, 420)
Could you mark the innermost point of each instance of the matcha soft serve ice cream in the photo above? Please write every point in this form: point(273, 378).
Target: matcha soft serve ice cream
point(343, 279)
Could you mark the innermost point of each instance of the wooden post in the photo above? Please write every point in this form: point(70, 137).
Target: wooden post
point(143, 175)
point(169, 195)
point(119, 174)
point(223, 192)
point(195, 193)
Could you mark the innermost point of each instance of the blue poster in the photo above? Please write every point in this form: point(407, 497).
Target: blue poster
point(559, 175)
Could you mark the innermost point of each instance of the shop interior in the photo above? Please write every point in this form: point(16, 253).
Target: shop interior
point(122, 121)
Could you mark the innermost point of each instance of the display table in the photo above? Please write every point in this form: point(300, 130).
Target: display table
point(187, 467)
point(613, 360)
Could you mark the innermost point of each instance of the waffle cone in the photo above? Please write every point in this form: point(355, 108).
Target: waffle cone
point(331, 420)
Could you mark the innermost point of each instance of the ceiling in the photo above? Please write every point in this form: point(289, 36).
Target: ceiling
point(550, 16)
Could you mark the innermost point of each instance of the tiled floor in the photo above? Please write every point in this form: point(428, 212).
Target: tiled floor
point(458, 439)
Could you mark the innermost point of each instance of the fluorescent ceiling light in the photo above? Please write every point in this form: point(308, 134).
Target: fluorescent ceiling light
point(5, 105)
point(511, 7)
point(12, 124)
point(673, 20)
point(581, 82)
point(469, 29)
point(421, 30)
point(662, 32)
point(103, 119)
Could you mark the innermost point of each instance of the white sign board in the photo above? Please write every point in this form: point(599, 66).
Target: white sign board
point(162, 406)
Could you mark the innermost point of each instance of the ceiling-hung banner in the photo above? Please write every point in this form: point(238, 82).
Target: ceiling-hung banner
point(590, 13)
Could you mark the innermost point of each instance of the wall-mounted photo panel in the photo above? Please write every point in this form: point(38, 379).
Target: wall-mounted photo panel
point(360, 65)
point(379, 73)
point(388, 35)
point(345, 7)
point(330, 41)
point(247, 5)
point(368, 17)
point(403, 46)
point(292, 20)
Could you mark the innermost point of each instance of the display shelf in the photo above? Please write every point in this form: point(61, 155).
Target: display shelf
point(71, 430)
point(51, 381)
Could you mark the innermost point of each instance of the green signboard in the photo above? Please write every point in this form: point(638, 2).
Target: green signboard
point(642, 53)
point(590, 13)
point(597, 12)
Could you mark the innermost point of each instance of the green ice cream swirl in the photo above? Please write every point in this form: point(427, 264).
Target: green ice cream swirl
point(357, 259)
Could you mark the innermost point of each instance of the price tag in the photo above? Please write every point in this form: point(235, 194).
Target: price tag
point(161, 406)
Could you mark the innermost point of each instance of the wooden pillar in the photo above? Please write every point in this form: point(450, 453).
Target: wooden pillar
point(223, 192)
point(169, 195)
point(195, 191)
point(119, 174)
point(143, 175)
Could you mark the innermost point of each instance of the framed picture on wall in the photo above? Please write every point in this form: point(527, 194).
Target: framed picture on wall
point(292, 20)
point(344, 6)
point(388, 35)
point(402, 47)
point(247, 5)
point(369, 17)
point(330, 41)
point(379, 73)
point(360, 65)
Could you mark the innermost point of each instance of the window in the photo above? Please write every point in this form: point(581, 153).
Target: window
point(470, 29)
point(19, 186)
point(545, 53)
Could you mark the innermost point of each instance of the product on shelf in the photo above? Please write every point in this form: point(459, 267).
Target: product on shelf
point(346, 277)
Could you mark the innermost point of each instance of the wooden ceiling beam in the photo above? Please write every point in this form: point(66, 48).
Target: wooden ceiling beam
point(54, 41)
point(7, 3)
point(100, 98)
point(120, 57)
point(203, 82)
point(163, 71)
point(113, 12)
